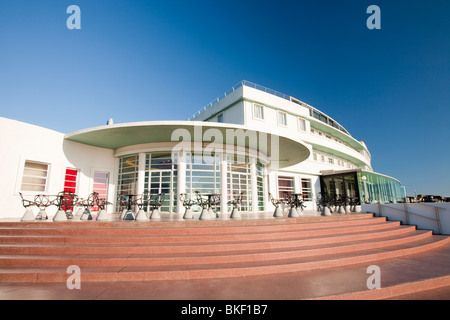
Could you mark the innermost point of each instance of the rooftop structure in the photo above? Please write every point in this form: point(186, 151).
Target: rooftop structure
point(313, 111)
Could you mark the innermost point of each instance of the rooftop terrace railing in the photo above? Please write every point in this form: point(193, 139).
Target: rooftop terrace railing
point(313, 111)
point(234, 88)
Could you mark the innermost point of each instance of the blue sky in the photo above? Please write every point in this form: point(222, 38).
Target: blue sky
point(164, 60)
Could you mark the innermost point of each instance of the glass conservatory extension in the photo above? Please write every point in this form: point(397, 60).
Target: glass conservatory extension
point(378, 188)
point(367, 187)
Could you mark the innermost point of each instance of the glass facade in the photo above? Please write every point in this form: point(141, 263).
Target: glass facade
point(202, 175)
point(366, 187)
point(127, 180)
point(161, 177)
point(376, 188)
point(239, 181)
point(341, 185)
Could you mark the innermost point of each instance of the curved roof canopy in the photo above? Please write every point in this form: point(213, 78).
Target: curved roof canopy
point(286, 151)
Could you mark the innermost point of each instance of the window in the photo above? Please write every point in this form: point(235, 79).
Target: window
point(333, 124)
point(35, 176)
point(260, 185)
point(320, 116)
point(301, 124)
point(282, 118)
point(162, 178)
point(306, 189)
point(128, 172)
point(285, 185)
point(70, 180)
point(202, 173)
point(315, 156)
point(330, 160)
point(239, 180)
point(258, 111)
point(101, 184)
point(220, 118)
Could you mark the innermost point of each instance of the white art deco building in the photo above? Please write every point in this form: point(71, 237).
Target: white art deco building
point(250, 140)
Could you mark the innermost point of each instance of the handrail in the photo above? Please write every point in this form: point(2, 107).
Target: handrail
point(423, 204)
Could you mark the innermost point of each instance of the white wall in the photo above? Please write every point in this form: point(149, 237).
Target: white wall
point(423, 215)
point(21, 141)
point(275, 101)
point(234, 114)
point(231, 98)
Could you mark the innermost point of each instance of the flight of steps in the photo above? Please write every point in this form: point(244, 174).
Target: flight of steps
point(182, 250)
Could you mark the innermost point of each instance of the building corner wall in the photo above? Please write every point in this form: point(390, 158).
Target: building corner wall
point(25, 142)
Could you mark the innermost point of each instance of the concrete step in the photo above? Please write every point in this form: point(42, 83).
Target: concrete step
point(93, 248)
point(148, 259)
point(196, 224)
point(39, 236)
point(178, 251)
point(212, 271)
point(127, 228)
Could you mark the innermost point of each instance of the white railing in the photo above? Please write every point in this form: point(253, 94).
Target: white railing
point(234, 88)
point(425, 216)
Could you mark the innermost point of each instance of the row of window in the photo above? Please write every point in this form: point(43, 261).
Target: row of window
point(258, 113)
point(321, 117)
point(326, 135)
point(35, 178)
point(332, 160)
point(286, 185)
